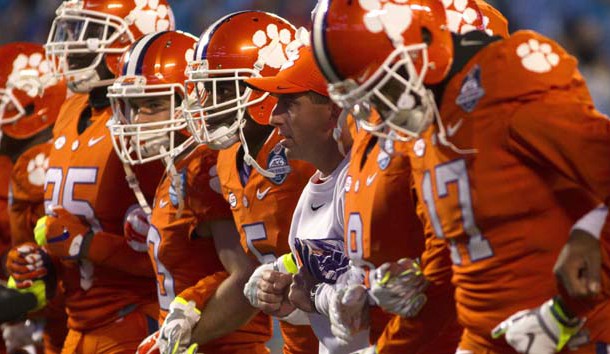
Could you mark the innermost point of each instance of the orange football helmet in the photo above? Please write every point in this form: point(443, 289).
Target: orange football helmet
point(237, 47)
point(30, 96)
point(154, 67)
point(363, 46)
point(89, 31)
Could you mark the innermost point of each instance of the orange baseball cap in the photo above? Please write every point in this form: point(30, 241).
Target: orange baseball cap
point(299, 75)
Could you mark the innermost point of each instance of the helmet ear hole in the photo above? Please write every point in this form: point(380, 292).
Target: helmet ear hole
point(426, 35)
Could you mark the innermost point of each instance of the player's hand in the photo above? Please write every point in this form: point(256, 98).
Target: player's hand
point(25, 263)
point(135, 228)
point(544, 330)
point(272, 293)
point(349, 312)
point(399, 288)
point(38, 288)
point(175, 333)
point(67, 235)
point(578, 266)
point(150, 345)
point(18, 335)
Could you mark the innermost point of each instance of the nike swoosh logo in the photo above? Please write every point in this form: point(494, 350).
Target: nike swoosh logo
point(468, 43)
point(260, 195)
point(316, 207)
point(93, 141)
point(163, 203)
point(370, 179)
point(452, 129)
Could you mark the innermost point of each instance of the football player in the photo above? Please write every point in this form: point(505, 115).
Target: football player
point(258, 181)
point(497, 165)
point(378, 189)
point(30, 101)
point(108, 281)
point(192, 240)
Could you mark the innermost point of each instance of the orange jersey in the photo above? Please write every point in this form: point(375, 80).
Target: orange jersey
point(262, 209)
point(27, 206)
point(378, 189)
point(27, 187)
point(186, 264)
point(528, 165)
point(5, 230)
point(86, 177)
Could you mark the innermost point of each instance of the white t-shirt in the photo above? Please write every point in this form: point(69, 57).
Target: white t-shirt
point(319, 215)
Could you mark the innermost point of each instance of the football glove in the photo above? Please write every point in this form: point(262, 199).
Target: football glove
point(175, 333)
point(150, 345)
point(349, 312)
point(544, 330)
point(67, 235)
point(399, 288)
point(38, 289)
point(25, 263)
point(19, 335)
point(135, 228)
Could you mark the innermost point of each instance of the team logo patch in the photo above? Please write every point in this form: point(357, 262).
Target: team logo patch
point(348, 183)
point(472, 91)
point(385, 154)
point(37, 168)
point(173, 194)
point(419, 148)
point(278, 164)
point(60, 142)
point(232, 200)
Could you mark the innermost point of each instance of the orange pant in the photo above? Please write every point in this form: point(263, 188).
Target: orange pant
point(121, 336)
point(298, 339)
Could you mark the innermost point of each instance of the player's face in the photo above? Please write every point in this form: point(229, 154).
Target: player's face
point(223, 92)
point(150, 109)
point(304, 124)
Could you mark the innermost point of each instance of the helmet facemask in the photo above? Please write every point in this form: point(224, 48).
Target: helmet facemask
point(138, 143)
point(85, 36)
point(397, 90)
point(218, 103)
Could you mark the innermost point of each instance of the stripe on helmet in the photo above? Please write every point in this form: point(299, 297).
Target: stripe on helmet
point(319, 43)
point(133, 66)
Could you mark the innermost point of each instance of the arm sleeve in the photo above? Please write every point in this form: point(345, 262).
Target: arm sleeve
point(201, 292)
point(563, 132)
point(110, 250)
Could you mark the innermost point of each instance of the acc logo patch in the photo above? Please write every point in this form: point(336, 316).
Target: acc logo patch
point(173, 194)
point(278, 164)
point(472, 91)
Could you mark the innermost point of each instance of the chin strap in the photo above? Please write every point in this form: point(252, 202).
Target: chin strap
point(176, 181)
point(250, 160)
point(134, 184)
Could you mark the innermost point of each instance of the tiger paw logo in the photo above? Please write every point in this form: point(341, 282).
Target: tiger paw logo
point(274, 45)
point(28, 72)
point(537, 57)
point(37, 168)
point(393, 17)
point(150, 16)
point(461, 18)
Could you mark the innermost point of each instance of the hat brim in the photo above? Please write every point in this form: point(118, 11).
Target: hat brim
point(274, 85)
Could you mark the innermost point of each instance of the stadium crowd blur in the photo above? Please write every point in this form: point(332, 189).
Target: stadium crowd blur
point(582, 26)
